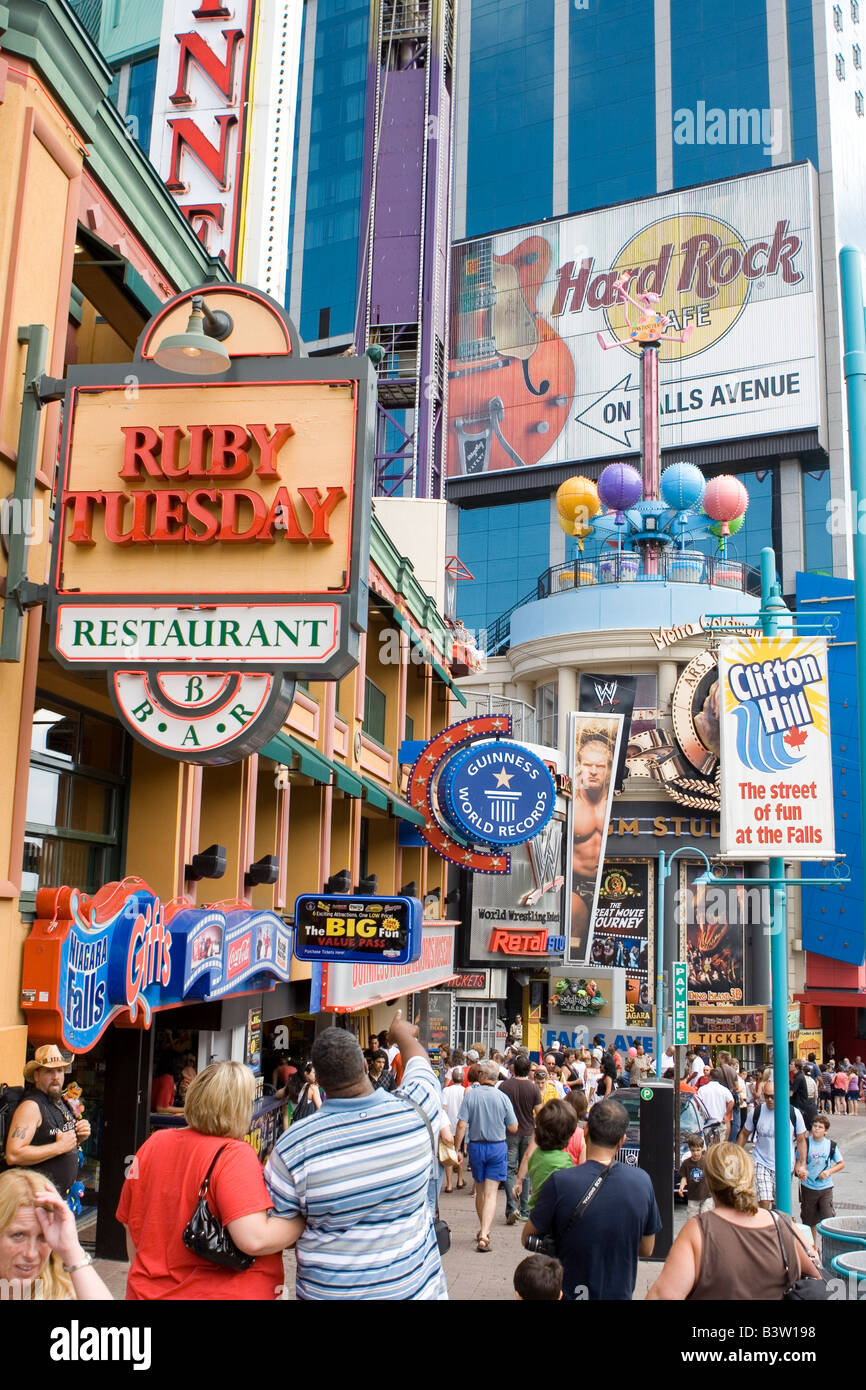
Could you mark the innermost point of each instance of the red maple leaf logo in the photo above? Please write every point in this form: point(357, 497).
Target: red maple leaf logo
point(795, 738)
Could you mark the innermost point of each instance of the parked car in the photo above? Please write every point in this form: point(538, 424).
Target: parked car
point(693, 1117)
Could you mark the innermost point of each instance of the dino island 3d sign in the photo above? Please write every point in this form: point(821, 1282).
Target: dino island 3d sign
point(212, 543)
point(125, 952)
point(777, 782)
point(480, 793)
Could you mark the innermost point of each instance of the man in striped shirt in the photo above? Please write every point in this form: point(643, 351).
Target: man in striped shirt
point(359, 1172)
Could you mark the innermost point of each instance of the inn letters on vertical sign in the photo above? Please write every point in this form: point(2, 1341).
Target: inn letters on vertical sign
point(610, 695)
point(594, 744)
point(777, 775)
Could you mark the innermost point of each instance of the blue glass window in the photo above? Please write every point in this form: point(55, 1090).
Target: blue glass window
point(506, 548)
point(510, 169)
point(139, 102)
point(817, 541)
point(719, 64)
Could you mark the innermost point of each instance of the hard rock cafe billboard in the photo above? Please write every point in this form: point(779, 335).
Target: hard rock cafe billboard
point(734, 262)
point(212, 536)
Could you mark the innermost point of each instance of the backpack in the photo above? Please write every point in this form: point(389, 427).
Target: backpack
point(10, 1099)
point(811, 1087)
point(831, 1158)
point(793, 1112)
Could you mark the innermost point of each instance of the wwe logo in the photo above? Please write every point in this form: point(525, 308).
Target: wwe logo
point(545, 860)
point(606, 694)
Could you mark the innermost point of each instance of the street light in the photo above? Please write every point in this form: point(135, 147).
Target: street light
point(200, 350)
point(665, 866)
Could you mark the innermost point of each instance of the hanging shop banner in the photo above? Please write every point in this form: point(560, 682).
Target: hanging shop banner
point(343, 986)
point(342, 927)
point(497, 794)
point(610, 695)
point(777, 773)
point(727, 1027)
point(621, 939)
point(594, 744)
point(212, 542)
point(733, 267)
point(89, 960)
point(713, 919)
point(518, 915)
point(680, 1003)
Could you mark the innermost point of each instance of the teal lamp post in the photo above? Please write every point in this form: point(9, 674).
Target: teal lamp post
point(666, 862)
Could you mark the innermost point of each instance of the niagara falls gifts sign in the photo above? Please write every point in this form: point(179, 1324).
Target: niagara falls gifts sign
point(212, 540)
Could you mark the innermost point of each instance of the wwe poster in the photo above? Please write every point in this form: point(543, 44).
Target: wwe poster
point(715, 926)
point(622, 930)
point(594, 744)
point(610, 695)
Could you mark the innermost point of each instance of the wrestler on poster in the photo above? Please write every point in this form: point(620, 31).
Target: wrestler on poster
point(594, 743)
point(621, 932)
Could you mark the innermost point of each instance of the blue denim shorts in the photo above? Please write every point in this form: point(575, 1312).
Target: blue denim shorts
point(489, 1162)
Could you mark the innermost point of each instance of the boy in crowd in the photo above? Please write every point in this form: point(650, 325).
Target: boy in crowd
point(693, 1182)
point(823, 1159)
point(538, 1279)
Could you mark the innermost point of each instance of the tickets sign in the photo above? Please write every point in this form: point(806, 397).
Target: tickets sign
point(777, 782)
point(727, 1027)
point(337, 927)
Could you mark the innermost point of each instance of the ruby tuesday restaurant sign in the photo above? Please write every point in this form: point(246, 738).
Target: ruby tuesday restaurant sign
point(212, 542)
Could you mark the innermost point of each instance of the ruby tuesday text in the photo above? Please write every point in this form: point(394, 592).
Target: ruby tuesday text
point(217, 455)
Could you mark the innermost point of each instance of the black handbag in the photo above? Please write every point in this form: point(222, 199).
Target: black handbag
point(441, 1229)
point(805, 1289)
point(205, 1235)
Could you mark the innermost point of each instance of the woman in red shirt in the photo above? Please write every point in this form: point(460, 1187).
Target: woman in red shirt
point(162, 1188)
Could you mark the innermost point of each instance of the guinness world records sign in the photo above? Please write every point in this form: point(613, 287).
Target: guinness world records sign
point(497, 794)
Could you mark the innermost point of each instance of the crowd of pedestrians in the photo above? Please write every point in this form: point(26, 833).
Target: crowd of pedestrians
point(374, 1138)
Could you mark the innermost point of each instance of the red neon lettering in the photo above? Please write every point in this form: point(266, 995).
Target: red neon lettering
point(213, 158)
point(194, 48)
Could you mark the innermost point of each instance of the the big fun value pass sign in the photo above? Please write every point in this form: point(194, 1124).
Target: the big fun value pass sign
point(212, 536)
point(777, 784)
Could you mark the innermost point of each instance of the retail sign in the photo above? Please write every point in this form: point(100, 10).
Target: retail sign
point(344, 986)
point(734, 262)
point(497, 794)
point(727, 1027)
point(680, 1003)
point(519, 942)
point(340, 927)
point(208, 563)
point(89, 960)
point(520, 909)
point(777, 775)
point(200, 114)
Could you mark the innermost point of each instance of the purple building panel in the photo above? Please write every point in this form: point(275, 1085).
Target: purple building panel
point(399, 185)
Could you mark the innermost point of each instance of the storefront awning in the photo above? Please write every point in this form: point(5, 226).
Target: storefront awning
point(403, 811)
point(375, 795)
point(834, 998)
point(285, 749)
point(428, 657)
point(348, 782)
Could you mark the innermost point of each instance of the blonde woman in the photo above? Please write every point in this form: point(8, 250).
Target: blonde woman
point(162, 1189)
point(733, 1252)
point(40, 1253)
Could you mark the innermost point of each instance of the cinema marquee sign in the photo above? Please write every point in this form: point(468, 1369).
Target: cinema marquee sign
point(212, 541)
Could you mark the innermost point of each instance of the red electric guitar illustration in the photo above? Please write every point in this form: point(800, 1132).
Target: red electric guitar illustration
point(511, 380)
